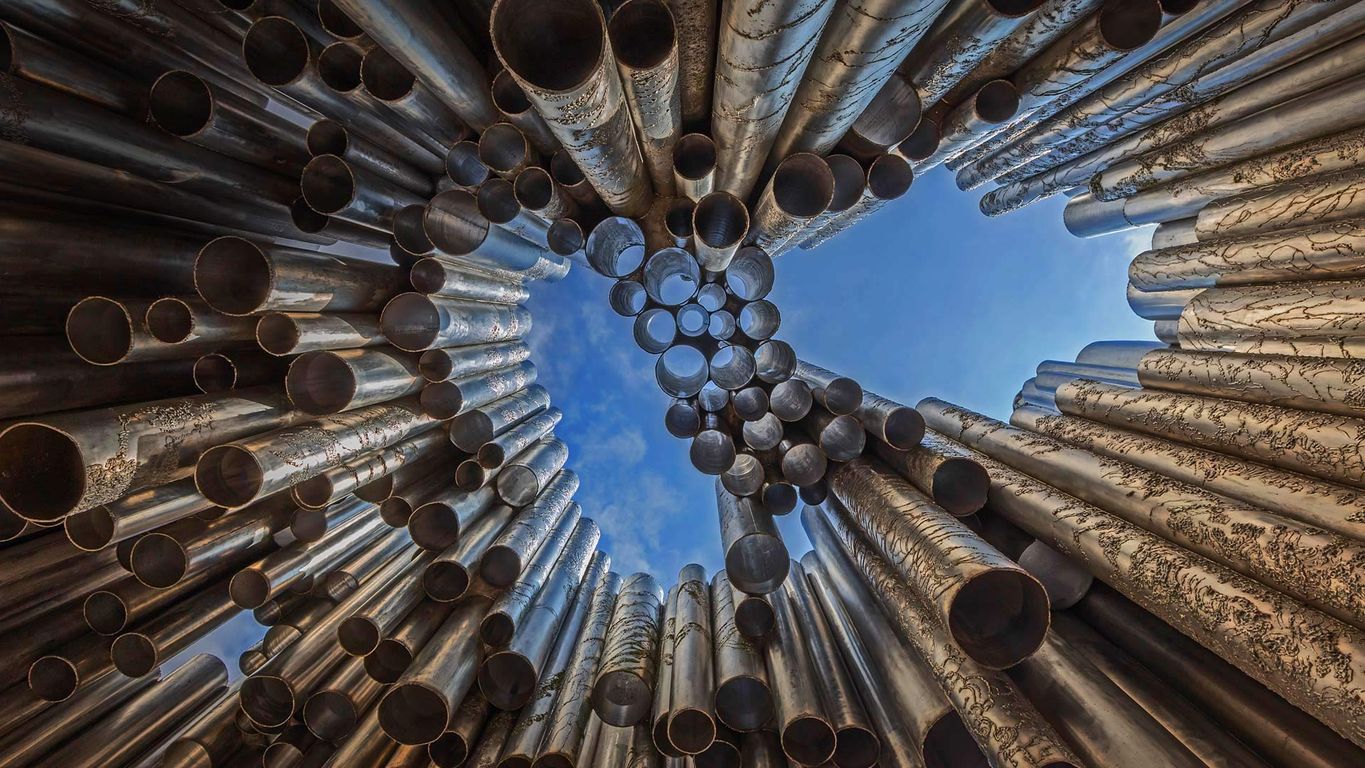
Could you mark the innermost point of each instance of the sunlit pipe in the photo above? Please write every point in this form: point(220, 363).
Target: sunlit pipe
point(720, 223)
point(887, 120)
point(163, 558)
point(655, 330)
point(540, 195)
point(712, 450)
point(1245, 708)
point(1030, 739)
point(912, 716)
point(455, 225)
point(280, 55)
point(334, 187)
point(113, 609)
point(505, 150)
point(126, 145)
point(463, 165)
point(102, 331)
point(452, 573)
point(516, 673)
point(644, 39)
point(1076, 63)
point(750, 403)
point(841, 437)
point(791, 400)
point(498, 203)
point(508, 555)
point(53, 452)
point(623, 686)
point(185, 105)
point(657, 721)
point(327, 382)
point(694, 166)
point(1329, 197)
point(366, 742)
point(839, 395)
point(1195, 729)
point(690, 726)
point(239, 277)
point(745, 476)
point(1300, 119)
point(763, 433)
point(292, 333)
point(804, 729)
point(417, 322)
point(371, 476)
point(681, 370)
point(566, 731)
point(800, 460)
point(600, 139)
point(743, 700)
point(1232, 37)
point(330, 137)
point(95, 528)
point(223, 371)
point(971, 582)
point(469, 431)
point(856, 743)
point(513, 605)
point(856, 56)
point(522, 479)
point(452, 397)
point(393, 655)
point(960, 39)
point(1035, 507)
point(210, 737)
point(888, 178)
point(297, 566)
point(732, 367)
point(360, 632)
point(942, 471)
point(147, 717)
point(31, 57)
point(455, 745)
point(1324, 505)
point(565, 238)
point(755, 558)
point(616, 247)
point(800, 189)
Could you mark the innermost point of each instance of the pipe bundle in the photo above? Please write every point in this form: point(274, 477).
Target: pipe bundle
point(266, 351)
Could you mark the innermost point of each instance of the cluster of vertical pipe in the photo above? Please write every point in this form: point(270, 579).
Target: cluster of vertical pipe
point(293, 381)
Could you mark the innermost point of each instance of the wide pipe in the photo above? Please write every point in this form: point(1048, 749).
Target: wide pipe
point(624, 686)
point(800, 190)
point(645, 39)
point(576, 90)
point(756, 560)
point(743, 700)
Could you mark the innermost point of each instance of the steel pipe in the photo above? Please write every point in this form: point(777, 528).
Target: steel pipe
point(801, 188)
point(694, 166)
point(651, 56)
point(755, 558)
point(456, 226)
point(624, 684)
point(941, 470)
point(888, 178)
point(720, 224)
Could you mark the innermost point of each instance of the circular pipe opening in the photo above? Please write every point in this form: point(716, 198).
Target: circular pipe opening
point(948, 744)
point(779, 498)
point(503, 148)
point(681, 371)
point(616, 247)
point(804, 464)
point(327, 137)
point(553, 46)
point(803, 185)
point(678, 218)
point(642, 33)
point(693, 319)
point(565, 170)
point(336, 22)
point(744, 477)
point(105, 613)
point(249, 588)
point(307, 219)
point(328, 184)
point(754, 617)
point(856, 747)
point(454, 223)
point(671, 277)
point(712, 398)
point(961, 486)
point(721, 325)
point(181, 103)
point(889, 177)
point(158, 561)
point(922, 142)
point(750, 403)
point(565, 237)
point(759, 320)
point(732, 367)
point(45, 472)
point(445, 581)
point(711, 297)
point(410, 231)
point(508, 97)
point(100, 330)
point(411, 321)
point(750, 274)
point(996, 101)
point(534, 188)
point(720, 220)
point(999, 617)
point(655, 330)
point(233, 275)
point(90, 530)
point(384, 76)
point(463, 165)
point(903, 428)
point(434, 526)
point(763, 433)
point(694, 156)
point(712, 451)
point(775, 361)
point(339, 67)
point(808, 740)
point(498, 201)
point(319, 383)
point(627, 298)
point(791, 400)
point(277, 333)
point(228, 476)
point(276, 51)
point(267, 700)
point(170, 321)
point(1130, 25)
point(848, 178)
point(682, 419)
point(330, 715)
point(691, 730)
point(815, 493)
point(744, 703)
point(757, 563)
point(214, 373)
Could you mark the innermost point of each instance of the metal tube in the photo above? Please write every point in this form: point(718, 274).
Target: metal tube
point(450, 575)
point(858, 53)
point(336, 188)
point(220, 372)
point(511, 607)
point(694, 166)
point(720, 224)
point(1194, 588)
point(33, 58)
point(744, 477)
point(522, 479)
point(1265, 722)
point(837, 394)
point(238, 277)
point(185, 105)
point(888, 178)
point(163, 558)
point(624, 685)
point(427, 46)
point(743, 700)
point(330, 137)
point(514, 548)
point(160, 638)
point(663, 679)
point(327, 382)
point(1321, 199)
point(145, 718)
point(886, 121)
point(1328, 506)
point(416, 322)
point(87, 458)
point(805, 731)
point(455, 225)
point(569, 718)
point(995, 611)
point(647, 47)
point(755, 558)
point(292, 333)
point(801, 461)
point(849, 180)
point(841, 437)
point(988, 695)
point(450, 398)
point(371, 476)
point(942, 471)
point(542, 196)
point(800, 190)
point(454, 746)
point(599, 137)
point(961, 38)
point(469, 431)
point(389, 82)
point(98, 527)
point(712, 451)
point(691, 727)
point(497, 200)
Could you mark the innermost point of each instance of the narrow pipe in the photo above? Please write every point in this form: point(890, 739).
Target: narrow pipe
point(803, 727)
point(743, 700)
point(647, 45)
point(471, 430)
point(720, 223)
point(755, 558)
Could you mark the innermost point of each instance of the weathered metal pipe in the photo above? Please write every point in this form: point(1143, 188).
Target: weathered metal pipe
point(841, 437)
point(942, 471)
point(578, 91)
point(392, 85)
point(694, 158)
point(712, 450)
point(326, 382)
point(888, 177)
point(720, 223)
point(646, 42)
point(800, 718)
point(469, 431)
point(452, 397)
point(624, 684)
point(186, 105)
point(800, 190)
point(1324, 198)
point(331, 137)
point(690, 725)
point(455, 225)
point(373, 475)
point(755, 558)
point(160, 638)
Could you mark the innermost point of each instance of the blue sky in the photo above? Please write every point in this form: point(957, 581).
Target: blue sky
point(927, 297)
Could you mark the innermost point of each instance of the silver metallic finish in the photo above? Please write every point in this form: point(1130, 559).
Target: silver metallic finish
point(457, 227)
point(1314, 199)
point(695, 158)
point(623, 690)
point(799, 191)
point(756, 560)
point(646, 41)
point(240, 277)
point(804, 728)
point(512, 103)
point(888, 178)
point(387, 80)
